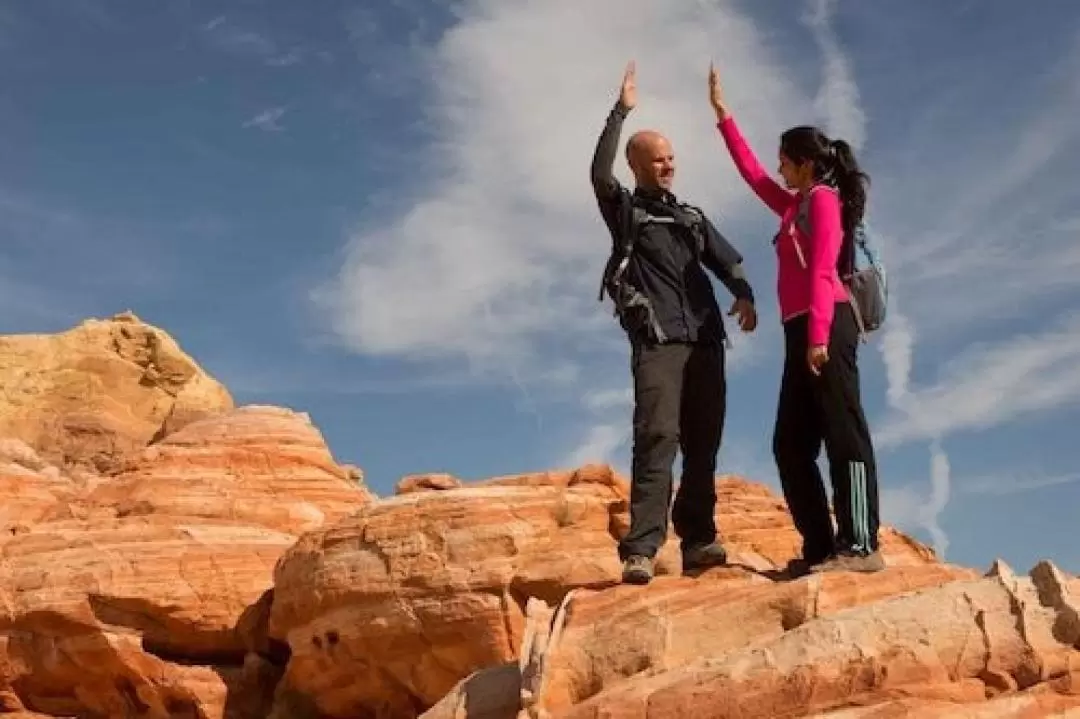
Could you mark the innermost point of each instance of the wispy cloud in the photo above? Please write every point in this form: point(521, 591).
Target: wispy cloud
point(992, 384)
point(984, 248)
point(599, 444)
point(992, 231)
point(235, 39)
point(492, 259)
point(603, 400)
point(292, 57)
point(912, 506)
point(837, 101)
point(1017, 483)
point(267, 120)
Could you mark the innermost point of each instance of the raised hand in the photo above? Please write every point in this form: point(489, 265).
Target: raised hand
point(628, 95)
point(716, 93)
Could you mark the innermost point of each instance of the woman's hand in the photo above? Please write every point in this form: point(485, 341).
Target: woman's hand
point(716, 94)
point(816, 357)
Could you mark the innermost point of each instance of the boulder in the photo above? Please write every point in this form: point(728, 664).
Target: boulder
point(93, 395)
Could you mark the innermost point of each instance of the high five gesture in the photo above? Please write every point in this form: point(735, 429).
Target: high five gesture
point(716, 94)
point(628, 94)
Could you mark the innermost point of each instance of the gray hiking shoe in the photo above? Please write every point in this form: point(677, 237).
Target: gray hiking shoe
point(707, 555)
point(637, 570)
point(852, 562)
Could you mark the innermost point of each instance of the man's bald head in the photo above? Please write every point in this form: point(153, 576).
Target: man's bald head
point(651, 159)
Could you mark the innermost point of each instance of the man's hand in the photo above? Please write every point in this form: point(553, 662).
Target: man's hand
point(816, 357)
point(628, 95)
point(716, 94)
point(747, 314)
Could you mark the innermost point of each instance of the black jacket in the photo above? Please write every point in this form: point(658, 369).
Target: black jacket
point(675, 300)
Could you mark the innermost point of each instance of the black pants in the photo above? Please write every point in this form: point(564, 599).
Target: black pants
point(826, 408)
point(680, 396)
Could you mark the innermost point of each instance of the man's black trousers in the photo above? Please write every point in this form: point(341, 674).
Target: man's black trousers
point(679, 403)
point(826, 408)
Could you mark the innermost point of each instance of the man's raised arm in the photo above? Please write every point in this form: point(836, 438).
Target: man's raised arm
point(603, 163)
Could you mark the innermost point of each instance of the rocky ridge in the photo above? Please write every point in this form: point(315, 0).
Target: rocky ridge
point(164, 553)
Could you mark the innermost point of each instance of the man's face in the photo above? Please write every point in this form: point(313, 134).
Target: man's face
point(652, 160)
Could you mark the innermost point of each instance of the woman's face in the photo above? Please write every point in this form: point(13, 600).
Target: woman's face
point(796, 176)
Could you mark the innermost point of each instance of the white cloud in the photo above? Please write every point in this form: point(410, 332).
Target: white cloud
point(267, 120)
point(993, 246)
point(837, 101)
point(991, 234)
point(837, 105)
point(245, 42)
point(909, 508)
point(501, 252)
point(1018, 482)
point(993, 384)
point(599, 444)
point(897, 348)
point(607, 399)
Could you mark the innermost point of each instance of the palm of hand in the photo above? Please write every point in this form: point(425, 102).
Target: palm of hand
point(628, 95)
point(716, 92)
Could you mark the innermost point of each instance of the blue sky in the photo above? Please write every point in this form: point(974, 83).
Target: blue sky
point(379, 213)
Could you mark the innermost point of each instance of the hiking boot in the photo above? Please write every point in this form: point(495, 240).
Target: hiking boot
point(637, 570)
point(704, 556)
point(852, 562)
point(799, 567)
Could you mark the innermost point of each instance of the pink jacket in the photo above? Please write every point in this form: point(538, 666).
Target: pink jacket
point(807, 279)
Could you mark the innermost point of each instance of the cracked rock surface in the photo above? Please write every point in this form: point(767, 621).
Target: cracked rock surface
point(961, 642)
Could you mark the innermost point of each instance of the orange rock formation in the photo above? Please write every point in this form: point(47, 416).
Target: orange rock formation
point(164, 554)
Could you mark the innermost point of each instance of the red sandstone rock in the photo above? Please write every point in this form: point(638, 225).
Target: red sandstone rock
point(608, 637)
point(95, 618)
point(31, 488)
point(171, 582)
point(959, 643)
point(397, 603)
point(266, 466)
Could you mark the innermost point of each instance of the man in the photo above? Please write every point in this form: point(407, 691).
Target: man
point(666, 304)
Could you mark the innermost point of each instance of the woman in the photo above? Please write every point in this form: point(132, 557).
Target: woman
point(819, 394)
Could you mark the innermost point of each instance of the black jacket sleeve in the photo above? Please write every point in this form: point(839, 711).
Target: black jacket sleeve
point(611, 196)
point(726, 263)
point(603, 162)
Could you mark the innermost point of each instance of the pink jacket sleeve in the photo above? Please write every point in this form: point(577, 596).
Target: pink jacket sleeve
point(826, 235)
point(771, 193)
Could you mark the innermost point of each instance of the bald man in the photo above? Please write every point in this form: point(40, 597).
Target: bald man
point(666, 305)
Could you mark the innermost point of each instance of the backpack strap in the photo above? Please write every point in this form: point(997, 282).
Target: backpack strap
point(802, 219)
point(695, 222)
point(633, 217)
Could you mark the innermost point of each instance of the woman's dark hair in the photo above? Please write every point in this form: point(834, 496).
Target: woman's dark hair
point(834, 163)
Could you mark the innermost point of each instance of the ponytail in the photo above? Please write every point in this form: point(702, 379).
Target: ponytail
point(834, 164)
point(851, 182)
